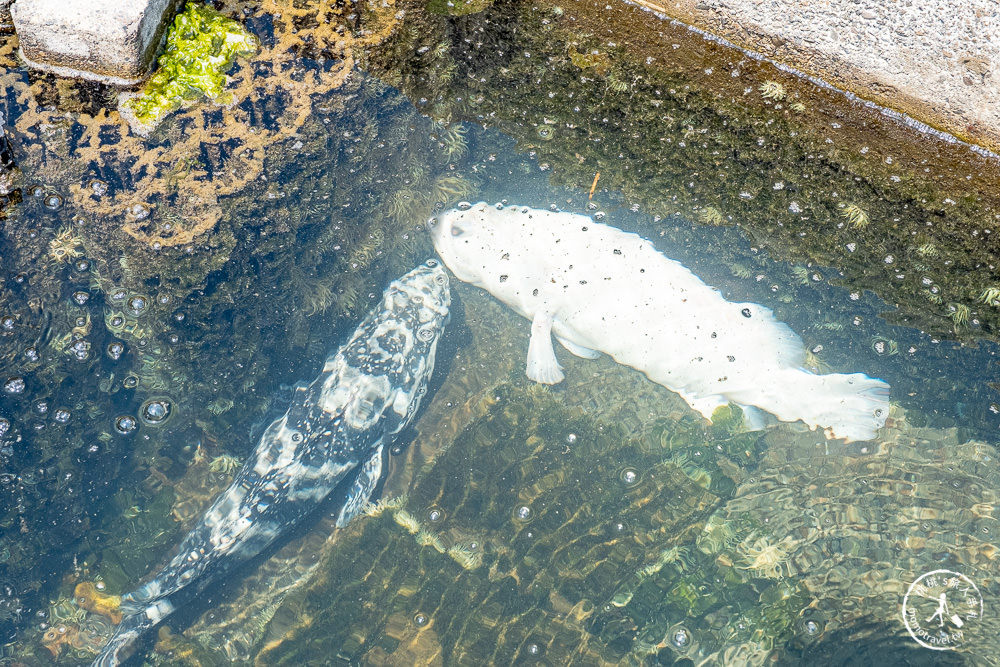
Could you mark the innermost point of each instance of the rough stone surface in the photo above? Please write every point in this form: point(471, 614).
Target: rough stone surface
point(107, 40)
point(935, 60)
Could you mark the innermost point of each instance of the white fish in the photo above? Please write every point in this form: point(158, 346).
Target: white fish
point(600, 289)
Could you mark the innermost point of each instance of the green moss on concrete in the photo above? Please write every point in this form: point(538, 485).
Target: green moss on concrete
point(202, 46)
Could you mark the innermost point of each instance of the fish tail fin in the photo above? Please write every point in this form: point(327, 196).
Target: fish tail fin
point(132, 627)
point(850, 406)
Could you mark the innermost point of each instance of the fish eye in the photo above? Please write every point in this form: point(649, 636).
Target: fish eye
point(432, 263)
point(440, 280)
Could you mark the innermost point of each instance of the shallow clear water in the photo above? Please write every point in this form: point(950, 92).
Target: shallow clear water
point(600, 521)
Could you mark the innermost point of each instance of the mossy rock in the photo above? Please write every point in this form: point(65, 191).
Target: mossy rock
point(201, 47)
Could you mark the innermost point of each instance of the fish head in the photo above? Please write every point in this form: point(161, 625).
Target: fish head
point(415, 310)
point(422, 295)
point(403, 342)
point(475, 240)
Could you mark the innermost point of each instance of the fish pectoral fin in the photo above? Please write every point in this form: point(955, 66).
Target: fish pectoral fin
point(360, 493)
point(543, 366)
point(578, 350)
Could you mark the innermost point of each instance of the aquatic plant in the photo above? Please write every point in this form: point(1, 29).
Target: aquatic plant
point(226, 464)
point(959, 313)
point(452, 140)
point(384, 505)
point(801, 275)
point(741, 271)
point(772, 90)
point(766, 558)
point(201, 46)
point(595, 59)
point(407, 521)
point(710, 215)
point(426, 538)
point(856, 216)
point(448, 189)
point(66, 246)
point(617, 84)
point(884, 347)
point(990, 296)
point(364, 253)
point(466, 556)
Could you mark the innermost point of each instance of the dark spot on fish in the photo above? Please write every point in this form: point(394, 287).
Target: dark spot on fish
point(642, 270)
point(506, 255)
point(583, 282)
point(730, 357)
point(715, 335)
point(584, 228)
point(617, 251)
point(534, 292)
point(503, 278)
point(746, 312)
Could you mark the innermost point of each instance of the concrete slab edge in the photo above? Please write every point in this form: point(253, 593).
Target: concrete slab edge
point(923, 113)
point(73, 73)
point(109, 41)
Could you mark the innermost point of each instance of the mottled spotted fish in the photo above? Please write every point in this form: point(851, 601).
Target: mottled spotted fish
point(335, 435)
point(600, 289)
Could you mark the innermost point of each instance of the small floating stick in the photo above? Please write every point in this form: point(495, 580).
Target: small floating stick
point(594, 185)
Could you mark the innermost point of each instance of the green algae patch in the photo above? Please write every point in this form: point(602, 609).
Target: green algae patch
point(201, 47)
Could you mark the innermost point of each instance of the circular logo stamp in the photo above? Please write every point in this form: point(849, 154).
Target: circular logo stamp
point(939, 607)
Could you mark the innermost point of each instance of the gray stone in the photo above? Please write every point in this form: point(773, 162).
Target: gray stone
point(113, 41)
